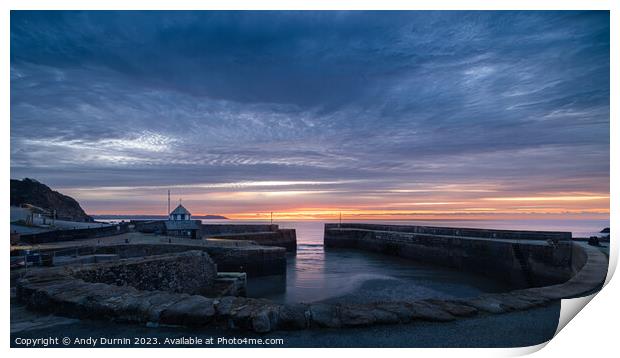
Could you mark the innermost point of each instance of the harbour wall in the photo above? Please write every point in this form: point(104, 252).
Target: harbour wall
point(226, 229)
point(520, 258)
point(462, 232)
point(286, 238)
point(262, 234)
point(251, 259)
point(190, 272)
point(56, 291)
point(74, 234)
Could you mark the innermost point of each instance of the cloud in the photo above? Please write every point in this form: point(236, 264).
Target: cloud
point(377, 100)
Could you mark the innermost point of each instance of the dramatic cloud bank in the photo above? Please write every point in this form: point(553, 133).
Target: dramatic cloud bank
point(377, 114)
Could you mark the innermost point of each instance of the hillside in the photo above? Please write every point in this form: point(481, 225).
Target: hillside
point(30, 191)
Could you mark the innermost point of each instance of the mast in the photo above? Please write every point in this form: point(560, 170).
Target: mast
point(168, 201)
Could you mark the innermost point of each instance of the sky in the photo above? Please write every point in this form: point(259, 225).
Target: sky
point(378, 115)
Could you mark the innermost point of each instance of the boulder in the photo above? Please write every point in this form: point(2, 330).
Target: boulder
point(454, 308)
point(430, 312)
point(223, 305)
point(293, 317)
point(357, 315)
point(193, 311)
point(324, 315)
point(486, 304)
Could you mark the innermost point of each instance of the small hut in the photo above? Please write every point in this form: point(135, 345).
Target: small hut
point(180, 224)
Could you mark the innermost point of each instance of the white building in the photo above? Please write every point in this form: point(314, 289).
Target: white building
point(180, 214)
point(180, 224)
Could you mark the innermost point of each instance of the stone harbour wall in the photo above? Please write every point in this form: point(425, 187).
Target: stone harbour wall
point(74, 234)
point(59, 292)
point(575, 269)
point(190, 272)
point(251, 259)
point(520, 262)
point(463, 232)
point(226, 229)
point(286, 238)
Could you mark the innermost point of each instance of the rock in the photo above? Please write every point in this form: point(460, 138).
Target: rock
point(324, 315)
point(261, 323)
point(399, 309)
point(384, 317)
point(293, 317)
point(126, 307)
point(356, 315)
point(265, 317)
point(454, 308)
point(533, 298)
point(193, 311)
point(151, 306)
point(594, 241)
point(223, 305)
point(486, 304)
point(513, 302)
point(241, 313)
point(429, 312)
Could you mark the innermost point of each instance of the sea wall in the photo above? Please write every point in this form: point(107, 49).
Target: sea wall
point(190, 272)
point(157, 226)
point(520, 258)
point(462, 232)
point(286, 238)
point(226, 229)
point(59, 292)
point(262, 234)
point(251, 259)
point(149, 226)
point(75, 234)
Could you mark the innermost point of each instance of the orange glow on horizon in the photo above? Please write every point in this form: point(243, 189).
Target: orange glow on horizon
point(468, 213)
point(391, 204)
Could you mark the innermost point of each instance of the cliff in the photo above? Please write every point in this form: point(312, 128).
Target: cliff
point(30, 191)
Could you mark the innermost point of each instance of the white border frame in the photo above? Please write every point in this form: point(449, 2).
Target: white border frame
point(591, 334)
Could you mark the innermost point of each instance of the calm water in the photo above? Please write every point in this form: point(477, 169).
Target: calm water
point(317, 274)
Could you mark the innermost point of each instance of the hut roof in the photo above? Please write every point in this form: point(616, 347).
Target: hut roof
point(180, 210)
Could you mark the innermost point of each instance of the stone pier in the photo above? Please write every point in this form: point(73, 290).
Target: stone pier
point(265, 235)
point(519, 258)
